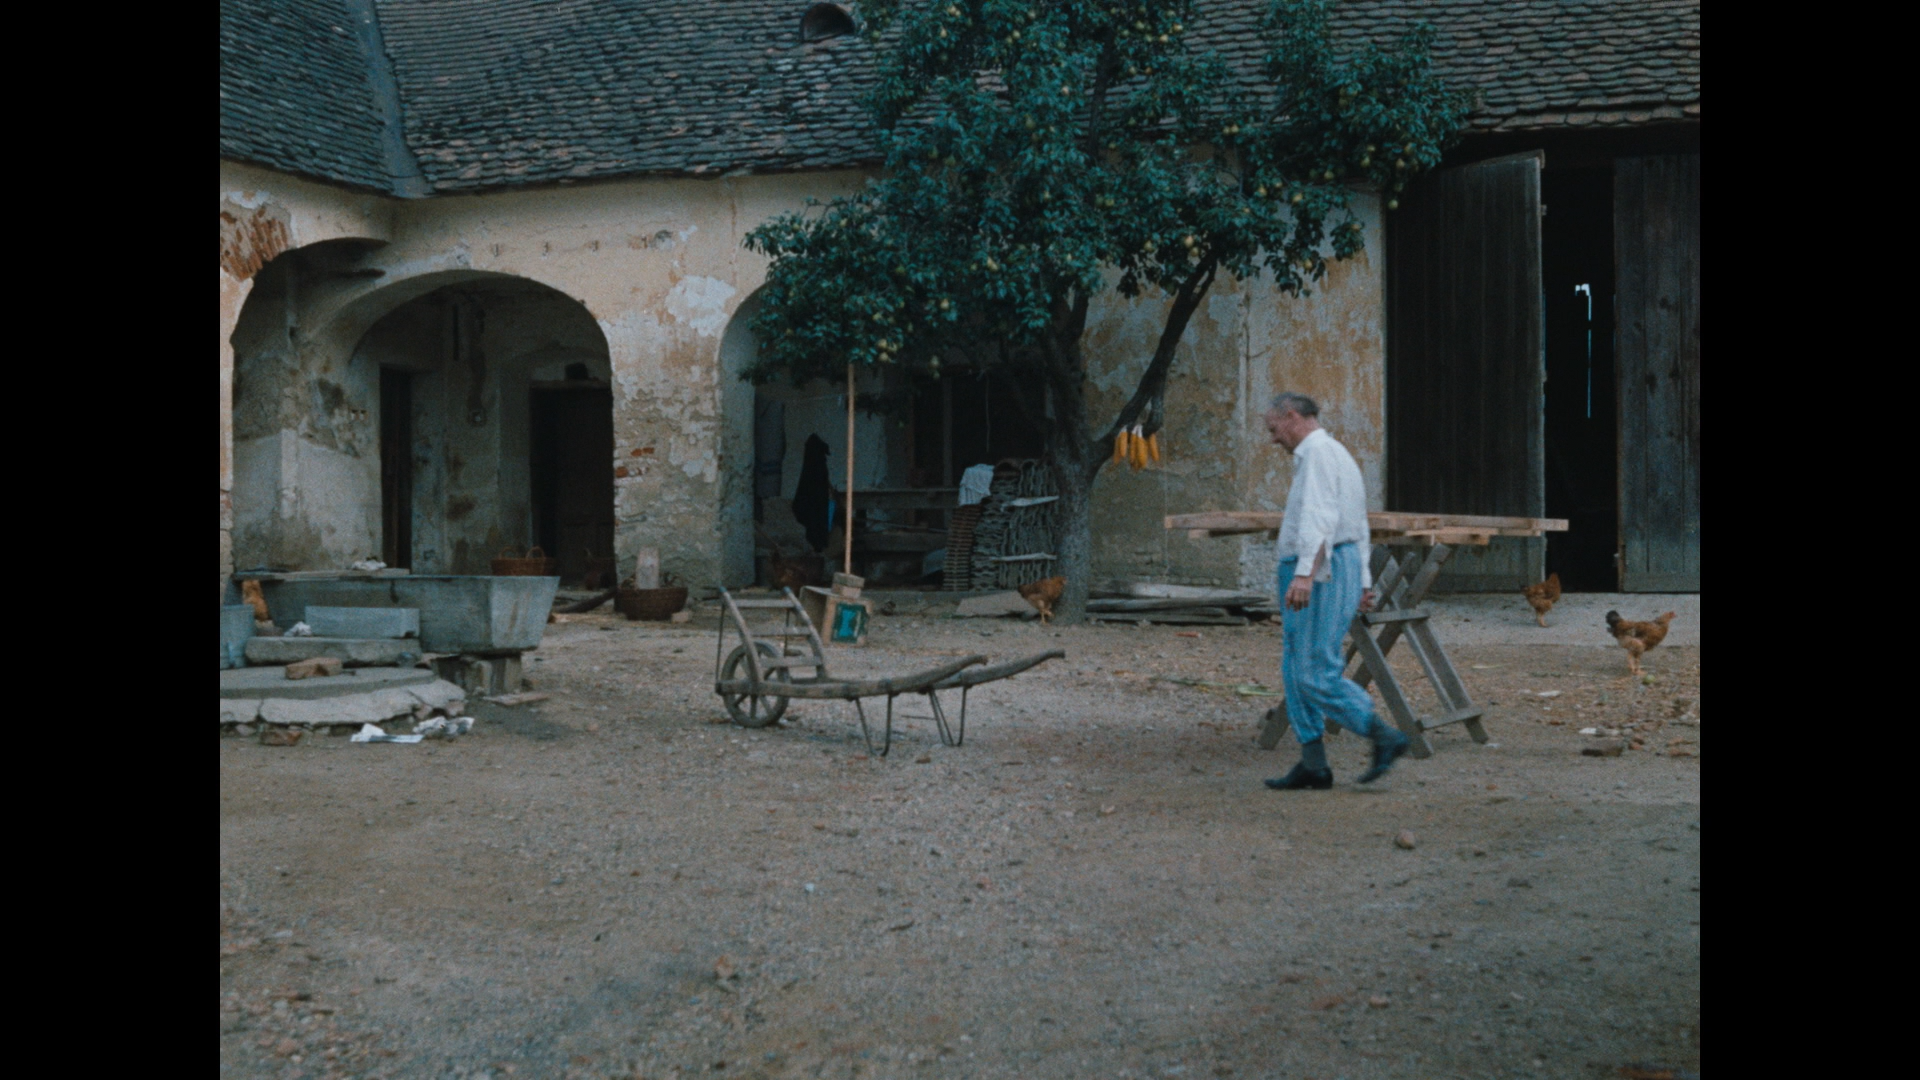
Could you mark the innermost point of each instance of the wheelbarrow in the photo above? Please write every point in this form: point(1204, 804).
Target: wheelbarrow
point(756, 678)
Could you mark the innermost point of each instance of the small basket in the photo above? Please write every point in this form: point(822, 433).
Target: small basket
point(656, 605)
point(533, 564)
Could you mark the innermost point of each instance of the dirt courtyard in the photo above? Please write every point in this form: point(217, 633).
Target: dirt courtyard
point(611, 884)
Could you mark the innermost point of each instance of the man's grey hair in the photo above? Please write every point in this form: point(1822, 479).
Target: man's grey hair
point(1292, 402)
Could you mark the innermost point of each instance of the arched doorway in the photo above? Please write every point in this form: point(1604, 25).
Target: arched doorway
point(473, 414)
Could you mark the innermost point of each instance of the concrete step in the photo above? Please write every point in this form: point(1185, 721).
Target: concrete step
point(380, 702)
point(272, 682)
point(353, 652)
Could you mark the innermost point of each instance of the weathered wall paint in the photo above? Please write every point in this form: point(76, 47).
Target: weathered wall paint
point(659, 266)
point(262, 215)
point(1245, 344)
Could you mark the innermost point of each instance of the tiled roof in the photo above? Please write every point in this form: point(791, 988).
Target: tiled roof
point(296, 93)
point(1545, 64)
point(502, 93)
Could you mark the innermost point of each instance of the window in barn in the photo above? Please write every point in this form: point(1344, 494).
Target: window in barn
point(824, 21)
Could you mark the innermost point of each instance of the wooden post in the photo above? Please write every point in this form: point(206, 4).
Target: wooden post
point(847, 555)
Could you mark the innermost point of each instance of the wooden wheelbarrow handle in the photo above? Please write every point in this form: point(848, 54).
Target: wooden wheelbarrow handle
point(846, 689)
point(997, 671)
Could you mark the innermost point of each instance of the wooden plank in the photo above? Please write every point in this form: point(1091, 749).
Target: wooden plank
point(1447, 680)
point(1465, 360)
point(1657, 356)
point(1377, 618)
point(1403, 718)
point(997, 671)
point(1241, 521)
point(848, 689)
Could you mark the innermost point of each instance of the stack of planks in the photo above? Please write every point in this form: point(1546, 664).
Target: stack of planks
point(1386, 526)
point(1180, 605)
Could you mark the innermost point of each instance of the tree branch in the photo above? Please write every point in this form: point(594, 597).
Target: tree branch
point(1153, 381)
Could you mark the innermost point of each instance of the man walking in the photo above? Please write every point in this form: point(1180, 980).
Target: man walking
point(1323, 581)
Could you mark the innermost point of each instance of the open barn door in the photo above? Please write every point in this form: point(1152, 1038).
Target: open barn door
point(1656, 226)
point(1466, 360)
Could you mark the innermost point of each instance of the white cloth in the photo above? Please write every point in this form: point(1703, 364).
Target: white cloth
point(975, 484)
point(1326, 507)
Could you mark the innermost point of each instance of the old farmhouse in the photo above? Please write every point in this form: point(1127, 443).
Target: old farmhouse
point(482, 286)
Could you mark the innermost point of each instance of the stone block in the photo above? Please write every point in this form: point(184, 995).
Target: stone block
point(239, 710)
point(364, 622)
point(352, 652)
point(272, 682)
point(318, 665)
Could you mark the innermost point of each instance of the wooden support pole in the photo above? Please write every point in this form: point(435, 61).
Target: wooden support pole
point(847, 555)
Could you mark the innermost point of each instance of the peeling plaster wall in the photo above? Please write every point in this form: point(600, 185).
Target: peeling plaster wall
point(262, 215)
point(659, 266)
point(1245, 344)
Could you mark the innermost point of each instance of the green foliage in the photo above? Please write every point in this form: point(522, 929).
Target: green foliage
point(1036, 150)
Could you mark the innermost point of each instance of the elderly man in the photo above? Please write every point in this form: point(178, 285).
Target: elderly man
point(1323, 579)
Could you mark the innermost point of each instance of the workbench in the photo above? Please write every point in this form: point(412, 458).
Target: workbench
point(1409, 549)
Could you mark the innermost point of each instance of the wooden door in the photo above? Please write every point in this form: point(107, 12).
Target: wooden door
point(1466, 361)
point(572, 474)
point(396, 467)
point(1656, 230)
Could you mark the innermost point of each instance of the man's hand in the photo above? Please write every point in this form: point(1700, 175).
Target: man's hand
point(1298, 593)
point(1366, 600)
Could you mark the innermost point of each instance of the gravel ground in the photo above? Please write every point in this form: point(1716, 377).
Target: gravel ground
point(611, 884)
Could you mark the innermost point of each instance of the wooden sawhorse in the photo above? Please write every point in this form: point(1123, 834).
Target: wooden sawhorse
point(1400, 584)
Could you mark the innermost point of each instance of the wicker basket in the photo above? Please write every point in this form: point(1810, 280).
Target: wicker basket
point(656, 605)
point(533, 564)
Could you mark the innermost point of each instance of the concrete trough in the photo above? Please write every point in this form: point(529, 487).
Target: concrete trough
point(458, 614)
point(236, 627)
point(363, 622)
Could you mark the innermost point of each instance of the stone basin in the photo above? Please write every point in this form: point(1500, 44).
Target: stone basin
point(458, 613)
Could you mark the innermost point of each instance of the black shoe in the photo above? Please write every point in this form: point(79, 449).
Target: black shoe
point(1385, 753)
point(1303, 779)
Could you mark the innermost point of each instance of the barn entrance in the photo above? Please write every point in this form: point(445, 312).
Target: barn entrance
point(1581, 413)
point(1543, 360)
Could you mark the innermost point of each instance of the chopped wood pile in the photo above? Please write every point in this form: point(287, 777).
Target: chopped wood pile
point(1009, 539)
point(1180, 605)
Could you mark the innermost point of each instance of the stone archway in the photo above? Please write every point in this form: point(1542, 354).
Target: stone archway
point(402, 426)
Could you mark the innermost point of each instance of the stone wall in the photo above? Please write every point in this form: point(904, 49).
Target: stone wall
point(657, 269)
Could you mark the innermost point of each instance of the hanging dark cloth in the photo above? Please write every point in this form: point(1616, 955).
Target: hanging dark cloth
point(812, 498)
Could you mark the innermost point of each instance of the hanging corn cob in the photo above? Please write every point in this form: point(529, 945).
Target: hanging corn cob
point(1137, 447)
point(1153, 448)
point(1120, 446)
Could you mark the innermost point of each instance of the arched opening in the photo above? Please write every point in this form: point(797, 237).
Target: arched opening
point(769, 484)
point(823, 21)
point(469, 417)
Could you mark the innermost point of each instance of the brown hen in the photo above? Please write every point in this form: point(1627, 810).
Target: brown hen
point(1043, 594)
point(1637, 637)
point(1542, 597)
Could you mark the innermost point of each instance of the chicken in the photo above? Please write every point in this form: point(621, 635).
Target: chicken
point(1542, 596)
point(1637, 637)
point(788, 573)
point(1043, 594)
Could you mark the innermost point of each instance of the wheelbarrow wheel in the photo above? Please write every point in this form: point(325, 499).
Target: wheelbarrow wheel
point(753, 710)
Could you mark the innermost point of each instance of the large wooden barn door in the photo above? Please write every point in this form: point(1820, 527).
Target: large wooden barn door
point(1466, 360)
point(1656, 243)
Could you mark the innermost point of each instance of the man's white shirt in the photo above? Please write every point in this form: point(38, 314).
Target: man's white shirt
point(1326, 507)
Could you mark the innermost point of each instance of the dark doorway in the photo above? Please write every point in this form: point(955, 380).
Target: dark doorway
point(572, 476)
point(396, 467)
point(967, 419)
point(1465, 360)
point(1581, 406)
